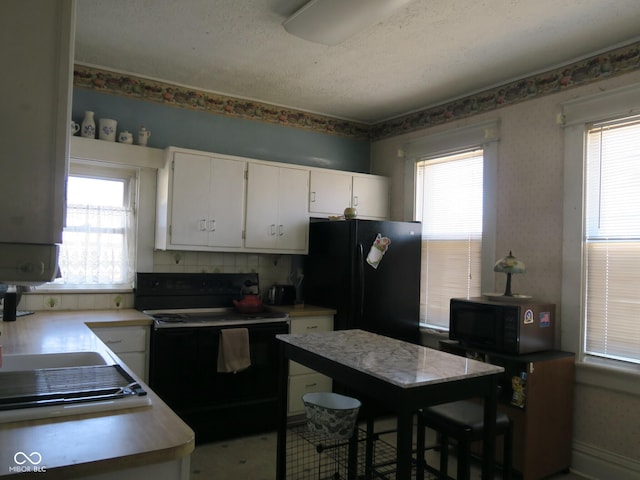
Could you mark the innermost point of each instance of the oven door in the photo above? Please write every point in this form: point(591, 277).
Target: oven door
point(183, 371)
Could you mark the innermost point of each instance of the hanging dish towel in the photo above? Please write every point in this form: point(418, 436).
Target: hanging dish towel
point(233, 351)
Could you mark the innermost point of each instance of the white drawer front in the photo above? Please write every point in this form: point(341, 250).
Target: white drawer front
point(302, 384)
point(312, 324)
point(123, 339)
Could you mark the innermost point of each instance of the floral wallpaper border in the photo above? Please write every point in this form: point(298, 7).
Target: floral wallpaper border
point(184, 97)
point(615, 62)
point(606, 65)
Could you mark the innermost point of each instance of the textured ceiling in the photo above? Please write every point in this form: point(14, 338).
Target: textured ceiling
point(424, 54)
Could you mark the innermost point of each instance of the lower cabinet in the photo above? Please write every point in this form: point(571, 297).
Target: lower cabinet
point(543, 417)
point(302, 379)
point(131, 344)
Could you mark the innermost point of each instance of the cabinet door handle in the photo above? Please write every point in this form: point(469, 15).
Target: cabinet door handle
point(273, 229)
point(355, 200)
point(280, 230)
point(312, 327)
point(313, 197)
point(212, 225)
point(309, 385)
point(203, 224)
point(113, 342)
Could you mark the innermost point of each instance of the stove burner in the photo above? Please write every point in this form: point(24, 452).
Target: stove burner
point(169, 317)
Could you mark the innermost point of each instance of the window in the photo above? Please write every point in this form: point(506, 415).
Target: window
point(598, 232)
point(612, 240)
point(449, 203)
point(99, 237)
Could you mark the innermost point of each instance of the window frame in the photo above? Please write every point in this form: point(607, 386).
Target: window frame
point(483, 135)
point(576, 117)
point(131, 177)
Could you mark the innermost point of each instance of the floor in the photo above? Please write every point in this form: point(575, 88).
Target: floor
point(253, 458)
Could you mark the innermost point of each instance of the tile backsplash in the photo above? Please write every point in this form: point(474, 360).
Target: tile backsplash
point(270, 268)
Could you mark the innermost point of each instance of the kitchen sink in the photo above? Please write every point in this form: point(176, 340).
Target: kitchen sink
point(51, 385)
point(33, 361)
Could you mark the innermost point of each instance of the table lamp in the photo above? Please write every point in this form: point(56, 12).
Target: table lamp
point(509, 265)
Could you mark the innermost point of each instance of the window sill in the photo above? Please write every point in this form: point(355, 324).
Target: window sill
point(602, 374)
point(74, 290)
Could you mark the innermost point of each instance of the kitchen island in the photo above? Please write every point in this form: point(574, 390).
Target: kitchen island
point(400, 376)
point(143, 442)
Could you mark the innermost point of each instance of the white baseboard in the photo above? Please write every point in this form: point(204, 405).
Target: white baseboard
point(598, 464)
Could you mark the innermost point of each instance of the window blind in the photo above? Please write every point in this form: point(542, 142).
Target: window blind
point(449, 205)
point(612, 240)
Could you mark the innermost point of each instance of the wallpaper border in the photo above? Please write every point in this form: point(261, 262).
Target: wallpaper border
point(126, 85)
point(614, 62)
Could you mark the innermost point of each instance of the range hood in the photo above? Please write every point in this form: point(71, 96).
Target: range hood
point(27, 263)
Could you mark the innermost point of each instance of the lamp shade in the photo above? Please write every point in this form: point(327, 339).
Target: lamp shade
point(331, 22)
point(509, 264)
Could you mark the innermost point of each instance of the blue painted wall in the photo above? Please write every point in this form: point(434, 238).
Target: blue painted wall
point(178, 127)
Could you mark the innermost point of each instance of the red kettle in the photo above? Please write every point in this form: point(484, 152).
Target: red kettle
point(250, 303)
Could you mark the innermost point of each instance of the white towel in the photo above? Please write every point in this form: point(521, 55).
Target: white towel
point(233, 350)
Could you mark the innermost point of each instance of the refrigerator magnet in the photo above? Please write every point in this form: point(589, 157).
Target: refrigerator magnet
point(377, 250)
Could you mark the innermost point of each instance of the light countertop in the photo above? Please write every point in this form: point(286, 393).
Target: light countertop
point(399, 363)
point(95, 442)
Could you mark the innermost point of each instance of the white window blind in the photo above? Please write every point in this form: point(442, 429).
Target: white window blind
point(449, 203)
point(612, 240)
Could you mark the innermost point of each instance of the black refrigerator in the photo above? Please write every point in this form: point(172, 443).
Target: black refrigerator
point(369, 272)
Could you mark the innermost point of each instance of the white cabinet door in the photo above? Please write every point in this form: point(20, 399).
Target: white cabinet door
point(131, 344)
point(191, 199)
point(277, 217)
point(36, 79)
point(371, 196)
point(226, 209)
point(262, 206)
point(329, 192)
point(202, 204)
point(293, 219)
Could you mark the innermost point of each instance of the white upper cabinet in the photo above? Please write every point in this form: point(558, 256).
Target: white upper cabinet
point(370, 196)
point(215, 202)
point(37, 56)
point(277, 217)
point(200, 202)
point(332, 191)
point(329, 192)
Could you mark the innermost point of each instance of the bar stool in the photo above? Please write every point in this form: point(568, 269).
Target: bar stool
point(464, 422)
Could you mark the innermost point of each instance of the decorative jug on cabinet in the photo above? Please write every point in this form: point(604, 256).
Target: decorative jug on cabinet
point(125, 137)
point(108, 129)
point(88, 128)
point(143, 136)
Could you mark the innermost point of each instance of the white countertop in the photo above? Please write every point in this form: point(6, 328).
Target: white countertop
point(400, 363)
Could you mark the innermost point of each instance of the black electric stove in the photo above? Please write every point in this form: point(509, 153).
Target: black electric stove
point(191, 312)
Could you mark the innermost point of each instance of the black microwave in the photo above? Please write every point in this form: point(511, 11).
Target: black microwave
point(505, 326)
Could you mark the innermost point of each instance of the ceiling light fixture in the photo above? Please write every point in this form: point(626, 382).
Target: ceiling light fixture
point(331, 22)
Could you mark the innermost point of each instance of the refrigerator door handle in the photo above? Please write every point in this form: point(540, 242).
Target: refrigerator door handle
point(360, 285)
